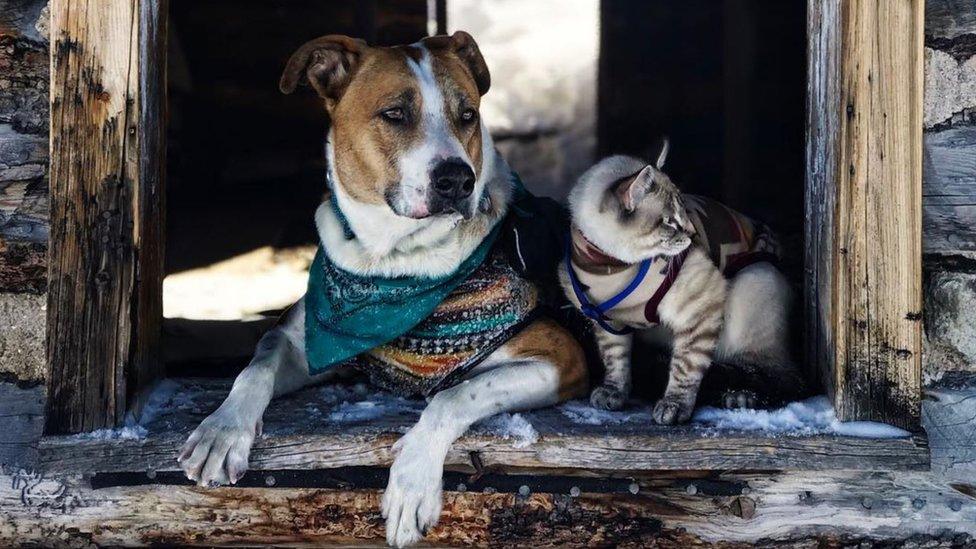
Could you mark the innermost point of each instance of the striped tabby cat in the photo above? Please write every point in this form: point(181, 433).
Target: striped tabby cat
point(647, 260)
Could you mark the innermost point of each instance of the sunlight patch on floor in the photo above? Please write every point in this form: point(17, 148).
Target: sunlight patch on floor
point(241, 287)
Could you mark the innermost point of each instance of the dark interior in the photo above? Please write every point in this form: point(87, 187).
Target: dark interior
point(725, 80)
point(245, 164)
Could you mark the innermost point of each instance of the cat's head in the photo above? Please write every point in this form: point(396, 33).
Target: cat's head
point(630, 209)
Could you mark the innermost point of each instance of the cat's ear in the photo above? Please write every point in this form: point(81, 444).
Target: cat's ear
point(663, 155)
point(633, 190)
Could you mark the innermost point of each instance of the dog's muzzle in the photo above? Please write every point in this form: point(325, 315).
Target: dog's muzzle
point(452, 182)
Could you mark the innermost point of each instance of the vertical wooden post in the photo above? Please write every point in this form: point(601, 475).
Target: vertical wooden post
point(863, 205)
point(105, 258)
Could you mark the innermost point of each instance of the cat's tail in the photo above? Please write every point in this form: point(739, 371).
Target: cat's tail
point(767, 386)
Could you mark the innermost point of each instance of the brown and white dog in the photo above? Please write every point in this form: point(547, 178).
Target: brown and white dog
point(409, 160)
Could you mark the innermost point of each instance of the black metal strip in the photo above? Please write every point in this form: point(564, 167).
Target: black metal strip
point(375, 478)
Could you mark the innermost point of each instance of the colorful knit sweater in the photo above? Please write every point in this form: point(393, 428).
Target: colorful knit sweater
point(731, 240)
point(481, 314)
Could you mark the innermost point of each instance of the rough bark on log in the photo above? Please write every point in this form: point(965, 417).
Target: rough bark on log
point(724, 510)
point(23, 148)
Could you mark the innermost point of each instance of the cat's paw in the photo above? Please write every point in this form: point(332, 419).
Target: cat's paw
point(606, 397)
point(671, 410)
point(735, 399)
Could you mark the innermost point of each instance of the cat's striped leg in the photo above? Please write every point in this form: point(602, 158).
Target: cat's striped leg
point(691, 355)
point(615, 350)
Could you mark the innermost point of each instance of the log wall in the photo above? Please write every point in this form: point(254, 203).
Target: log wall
point(23, 188)
point(949, 191)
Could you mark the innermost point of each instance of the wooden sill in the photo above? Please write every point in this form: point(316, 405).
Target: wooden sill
point(294, 439)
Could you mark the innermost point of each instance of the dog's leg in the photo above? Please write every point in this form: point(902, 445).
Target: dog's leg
point(217, 451)
point(520, 376)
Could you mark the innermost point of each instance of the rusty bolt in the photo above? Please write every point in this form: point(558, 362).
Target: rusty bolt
point(743, 507)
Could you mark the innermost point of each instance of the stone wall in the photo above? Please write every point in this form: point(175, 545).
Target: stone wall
point(949, 201)
point(24, 80)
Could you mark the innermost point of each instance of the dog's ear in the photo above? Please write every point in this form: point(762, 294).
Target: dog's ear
point(466, 49)
point(633, 189)
point(326, 62)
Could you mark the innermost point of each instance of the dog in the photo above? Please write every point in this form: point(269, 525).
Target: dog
point(416, 185)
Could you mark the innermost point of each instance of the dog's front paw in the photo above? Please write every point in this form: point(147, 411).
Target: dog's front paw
point(412, 500)
point(216, 452)
point(673, 409)
point(606, 397)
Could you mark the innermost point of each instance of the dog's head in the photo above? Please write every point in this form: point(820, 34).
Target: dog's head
point(405, 124)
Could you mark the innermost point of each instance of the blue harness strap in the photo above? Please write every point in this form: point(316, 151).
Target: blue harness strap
point(597, 312)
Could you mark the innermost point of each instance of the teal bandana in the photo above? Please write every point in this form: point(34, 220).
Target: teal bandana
point(347, 314)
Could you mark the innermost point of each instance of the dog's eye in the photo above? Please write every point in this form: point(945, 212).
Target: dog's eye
point(393, 115)
point(469, 115)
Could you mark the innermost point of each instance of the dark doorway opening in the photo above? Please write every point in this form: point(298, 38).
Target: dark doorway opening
point(726, 81)
point(245, 169)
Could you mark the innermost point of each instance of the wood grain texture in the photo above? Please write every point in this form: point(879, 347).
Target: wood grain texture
point(22, 416)
point(949, 18)
point(301, 433)
point(867, 256)
point(823, 130)
point(104, 250)
point(949, 193)
point(727, 510)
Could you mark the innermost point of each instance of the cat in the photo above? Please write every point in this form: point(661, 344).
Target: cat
point(701, 278)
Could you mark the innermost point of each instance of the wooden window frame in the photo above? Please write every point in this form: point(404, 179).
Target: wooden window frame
point(863, 230)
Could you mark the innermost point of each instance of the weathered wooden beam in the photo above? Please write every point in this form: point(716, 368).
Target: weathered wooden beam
point(950, 191)
point(727, 510)
point(864, 205)
point(299, 435)
point(105, 267)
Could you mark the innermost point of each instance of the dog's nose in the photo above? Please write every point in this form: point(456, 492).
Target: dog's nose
point(453, 179)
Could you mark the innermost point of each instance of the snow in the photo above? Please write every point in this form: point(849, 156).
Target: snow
point(165, 396)
point(359, 403)
point(813, 416)
point(512, 427)
point(581, 412)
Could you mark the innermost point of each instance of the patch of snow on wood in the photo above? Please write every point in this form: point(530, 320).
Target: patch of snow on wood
point(813, 416)
point(512, 427)
point(580, 411)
